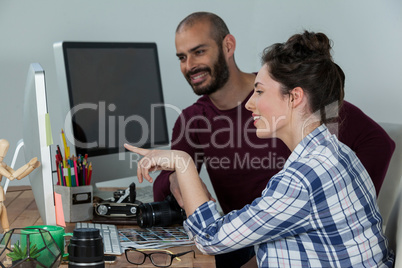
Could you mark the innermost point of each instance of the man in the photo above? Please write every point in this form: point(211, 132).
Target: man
point(218, 131)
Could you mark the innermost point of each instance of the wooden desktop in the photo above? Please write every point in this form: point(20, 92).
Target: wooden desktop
point(22, 211)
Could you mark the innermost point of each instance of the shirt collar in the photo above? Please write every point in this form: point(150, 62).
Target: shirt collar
point(309, 143)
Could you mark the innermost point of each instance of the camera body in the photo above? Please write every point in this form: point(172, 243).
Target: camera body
point(125, 196)
point(160, 214)
point(122, 204)
point(117, 209)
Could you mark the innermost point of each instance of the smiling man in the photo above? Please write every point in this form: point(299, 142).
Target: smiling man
point(202, 60)
point(217, 131)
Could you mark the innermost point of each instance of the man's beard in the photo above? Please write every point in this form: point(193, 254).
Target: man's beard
point(219, 77)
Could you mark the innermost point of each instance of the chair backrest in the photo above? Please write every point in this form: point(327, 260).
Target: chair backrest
point(390, 197)
point(390, 187)
point(392, 232)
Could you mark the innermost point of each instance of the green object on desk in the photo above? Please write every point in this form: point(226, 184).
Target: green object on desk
point(20, 253)
point(29, 246)
point(57, 233)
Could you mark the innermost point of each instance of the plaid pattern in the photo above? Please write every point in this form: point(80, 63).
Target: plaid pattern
point(320, 210)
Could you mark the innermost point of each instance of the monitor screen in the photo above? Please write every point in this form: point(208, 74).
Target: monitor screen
point(112, 94)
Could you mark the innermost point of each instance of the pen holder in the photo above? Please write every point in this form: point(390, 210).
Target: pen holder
point(73, 171)
point(77, 202)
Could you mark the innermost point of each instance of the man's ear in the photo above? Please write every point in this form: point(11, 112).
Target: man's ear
point(229, 45)
point(296, 96)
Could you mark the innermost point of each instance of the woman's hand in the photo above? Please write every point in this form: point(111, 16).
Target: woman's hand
point(154, 160)
point(192, 189)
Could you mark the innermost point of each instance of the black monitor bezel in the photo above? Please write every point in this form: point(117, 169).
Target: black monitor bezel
point(66, 45)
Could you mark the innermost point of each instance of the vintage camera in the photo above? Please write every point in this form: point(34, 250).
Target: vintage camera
point(122, 204)
point(125, 196)
point(160, 214)
point(117, 209)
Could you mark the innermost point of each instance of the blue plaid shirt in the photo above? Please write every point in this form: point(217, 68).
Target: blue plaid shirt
point(320, 210)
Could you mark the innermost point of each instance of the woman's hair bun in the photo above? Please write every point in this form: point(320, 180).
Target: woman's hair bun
point(305, 61)
point(310, 44)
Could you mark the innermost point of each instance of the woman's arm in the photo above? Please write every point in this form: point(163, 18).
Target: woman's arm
point(191, 187)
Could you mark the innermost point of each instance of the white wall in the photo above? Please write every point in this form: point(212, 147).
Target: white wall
point(366, 33)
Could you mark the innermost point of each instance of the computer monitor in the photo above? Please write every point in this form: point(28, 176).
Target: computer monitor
point(35, 142)
point(111, 94)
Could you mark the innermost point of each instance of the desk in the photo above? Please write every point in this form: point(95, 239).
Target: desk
point(22, 211)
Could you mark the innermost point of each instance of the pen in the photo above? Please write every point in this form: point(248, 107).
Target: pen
point(76, 173)
point(58, 173)
point(66, 177)
point(73, 176)
point(84, 173)
point(81, 175)
point(90, 174)
point(59, 153)
point(61, 175)
point(63, 136)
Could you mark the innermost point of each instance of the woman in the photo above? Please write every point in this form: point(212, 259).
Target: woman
point(320, 209)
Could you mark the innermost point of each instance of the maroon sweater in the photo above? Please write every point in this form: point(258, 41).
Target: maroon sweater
point(240, 164)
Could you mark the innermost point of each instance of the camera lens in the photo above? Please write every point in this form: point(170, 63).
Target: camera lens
point(160, 214)
point(86, 249)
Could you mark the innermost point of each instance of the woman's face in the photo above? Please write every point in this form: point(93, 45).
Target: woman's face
point(269, 106)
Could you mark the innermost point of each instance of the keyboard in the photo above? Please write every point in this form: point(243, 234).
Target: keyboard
point(110, 235)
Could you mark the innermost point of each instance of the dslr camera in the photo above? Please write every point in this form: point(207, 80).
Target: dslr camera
point(160, 214)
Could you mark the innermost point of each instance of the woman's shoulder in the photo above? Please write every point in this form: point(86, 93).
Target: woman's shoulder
point(327, 156)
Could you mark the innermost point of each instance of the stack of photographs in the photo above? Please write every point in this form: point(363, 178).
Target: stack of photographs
point(155, 237)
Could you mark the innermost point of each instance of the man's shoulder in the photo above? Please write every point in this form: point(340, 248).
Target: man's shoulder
point(348, 107)
point(353, 116)
point(356, 126)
